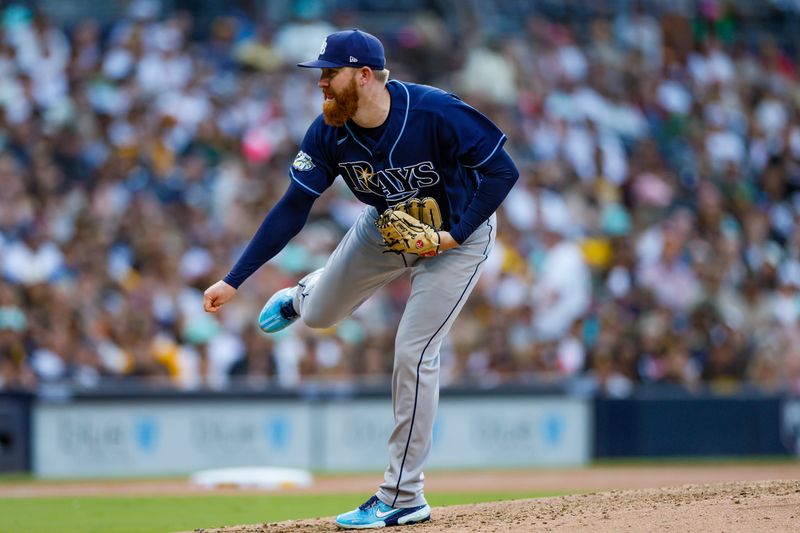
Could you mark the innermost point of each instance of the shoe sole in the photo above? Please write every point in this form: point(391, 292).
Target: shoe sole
point(422, 515)
point(275, 322)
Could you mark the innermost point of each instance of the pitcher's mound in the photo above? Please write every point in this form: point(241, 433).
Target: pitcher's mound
point(744, 507)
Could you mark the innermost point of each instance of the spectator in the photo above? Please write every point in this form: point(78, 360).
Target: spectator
point(653, 236)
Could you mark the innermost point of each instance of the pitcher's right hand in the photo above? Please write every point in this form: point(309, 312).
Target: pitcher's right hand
point(217, 295)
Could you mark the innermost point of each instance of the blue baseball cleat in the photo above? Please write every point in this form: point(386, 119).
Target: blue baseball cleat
point(374, 514)
point(278, 312)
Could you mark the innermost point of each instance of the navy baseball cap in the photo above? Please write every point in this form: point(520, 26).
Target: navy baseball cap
point(349, 48)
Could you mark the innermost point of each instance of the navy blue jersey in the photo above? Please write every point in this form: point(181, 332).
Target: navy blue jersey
point(432, 144)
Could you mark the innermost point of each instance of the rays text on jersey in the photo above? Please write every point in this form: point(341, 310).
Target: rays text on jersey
point(396, 184)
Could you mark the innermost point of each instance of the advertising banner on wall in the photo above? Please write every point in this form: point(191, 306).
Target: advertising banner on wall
point(119, 438)
point(790, 426)
point(468, 433)
point(510, 432)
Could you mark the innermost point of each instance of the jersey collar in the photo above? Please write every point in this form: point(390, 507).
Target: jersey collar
point(383, 150)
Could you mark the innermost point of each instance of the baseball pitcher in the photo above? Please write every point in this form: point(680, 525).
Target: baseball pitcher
point(432, 171)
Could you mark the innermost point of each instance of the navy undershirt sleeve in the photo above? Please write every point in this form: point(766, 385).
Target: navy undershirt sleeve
point(497, 177)
point(282, 223)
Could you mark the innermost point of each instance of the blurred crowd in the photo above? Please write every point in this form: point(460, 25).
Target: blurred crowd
point(652, 238)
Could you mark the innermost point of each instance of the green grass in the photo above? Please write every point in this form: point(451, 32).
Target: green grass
point(123, 514)
point(27, 479)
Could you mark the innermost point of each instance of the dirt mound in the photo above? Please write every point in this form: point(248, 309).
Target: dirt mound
point(745, 507)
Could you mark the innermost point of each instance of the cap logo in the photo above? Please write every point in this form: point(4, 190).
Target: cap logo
point(323, 47)
point(353, 59)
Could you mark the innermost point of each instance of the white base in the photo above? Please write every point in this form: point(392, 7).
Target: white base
point(270, 478)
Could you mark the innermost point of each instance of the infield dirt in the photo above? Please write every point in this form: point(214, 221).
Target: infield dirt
point(747, 507)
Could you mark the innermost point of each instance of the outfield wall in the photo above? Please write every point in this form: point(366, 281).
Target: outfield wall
point(676, 426)
point(161, 432)
point(15, 433)
point(123, 438)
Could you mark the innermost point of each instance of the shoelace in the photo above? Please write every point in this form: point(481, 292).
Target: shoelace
point(369, 503)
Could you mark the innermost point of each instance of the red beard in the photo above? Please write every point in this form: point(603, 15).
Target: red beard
point(343, 107)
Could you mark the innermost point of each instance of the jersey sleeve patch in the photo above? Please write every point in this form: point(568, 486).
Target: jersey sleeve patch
point(302, 162)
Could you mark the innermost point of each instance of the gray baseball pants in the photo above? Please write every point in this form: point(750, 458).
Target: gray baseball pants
point(440, 286)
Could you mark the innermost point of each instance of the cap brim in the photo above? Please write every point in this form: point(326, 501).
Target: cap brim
point(319, 63)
